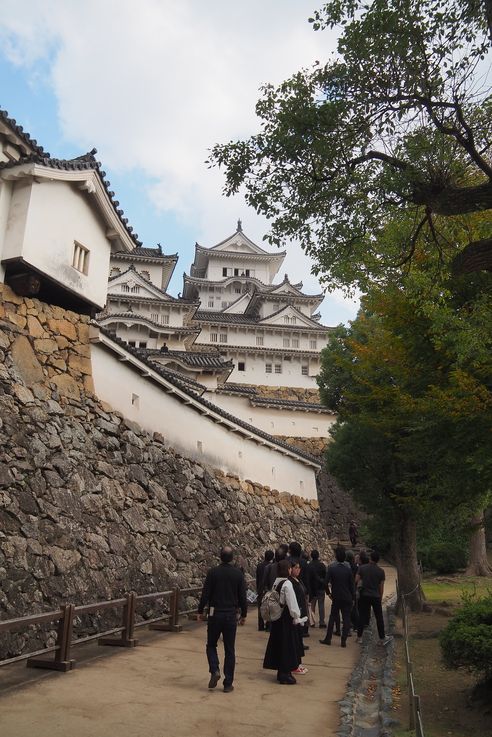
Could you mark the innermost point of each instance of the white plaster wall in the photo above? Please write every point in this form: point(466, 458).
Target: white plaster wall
point(298, 423)
point(193, 434)
point(272, 337)
point(155, 271)
point(5, 197)
point(56, 215)
point(257, 269)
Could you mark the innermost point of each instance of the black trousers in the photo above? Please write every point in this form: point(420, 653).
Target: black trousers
point(365, 604)
point(339, 607)
point(225, 624)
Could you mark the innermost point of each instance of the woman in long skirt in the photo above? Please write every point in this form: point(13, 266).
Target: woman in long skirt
point(282, 652)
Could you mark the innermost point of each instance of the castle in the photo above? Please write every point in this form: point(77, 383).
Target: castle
point(226, 372)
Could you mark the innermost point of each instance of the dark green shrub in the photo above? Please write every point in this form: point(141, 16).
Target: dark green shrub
point(443, 557)
point(466, 642)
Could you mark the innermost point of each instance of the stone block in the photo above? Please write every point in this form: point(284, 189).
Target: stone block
point(26, 361)
point(34, 327)
point(66, 386)
point(79, 363)
point(16, 319)
point(63, 327)
point(10, 296)
point(45, 345)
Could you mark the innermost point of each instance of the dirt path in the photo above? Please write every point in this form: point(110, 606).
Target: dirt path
point(160, 688)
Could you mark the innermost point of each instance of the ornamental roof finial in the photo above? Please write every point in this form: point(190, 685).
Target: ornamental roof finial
point(239, 226)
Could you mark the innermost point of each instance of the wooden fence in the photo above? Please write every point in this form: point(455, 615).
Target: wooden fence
point(415, 713)
point(122, 636)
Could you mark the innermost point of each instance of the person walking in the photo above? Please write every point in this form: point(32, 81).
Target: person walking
point(224, 592)
point(260, 590)
point(316, 575)
point(371, 577)
point(341, 590)
point(282, 653)
point(353, 533)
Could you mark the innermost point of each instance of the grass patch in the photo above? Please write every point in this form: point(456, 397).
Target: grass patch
point(451, 588)
point(448, 707)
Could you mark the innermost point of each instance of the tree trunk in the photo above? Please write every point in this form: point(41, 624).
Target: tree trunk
point(476, 256)
point(454, 200)
point(478, 564)
point(405, 544)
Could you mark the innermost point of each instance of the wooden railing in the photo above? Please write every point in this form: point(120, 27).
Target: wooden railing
point(122, 636)
point(415, 714)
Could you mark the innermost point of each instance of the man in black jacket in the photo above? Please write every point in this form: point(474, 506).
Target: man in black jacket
point(316, 573)
point(224, 592)
point(341, 590)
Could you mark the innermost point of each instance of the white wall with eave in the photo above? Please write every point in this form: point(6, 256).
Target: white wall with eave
point(286, 422)
point(193, 434)
point(45, 220)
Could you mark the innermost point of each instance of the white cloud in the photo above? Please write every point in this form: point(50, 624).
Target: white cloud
point(155, 84)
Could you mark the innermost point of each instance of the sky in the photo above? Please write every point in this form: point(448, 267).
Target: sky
point(153, 85)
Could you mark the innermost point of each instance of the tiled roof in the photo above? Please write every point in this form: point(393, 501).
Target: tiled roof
point(289, 404)
point(236, 389)
point(126, 297)
point(129, 315)
point(86, 162)
point(231, 347)
point(239, 319)
point(195, 359)
point(145, 253)
point(23, 135)
point(178, 381)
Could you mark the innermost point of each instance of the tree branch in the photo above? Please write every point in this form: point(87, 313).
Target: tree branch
point(380, 156)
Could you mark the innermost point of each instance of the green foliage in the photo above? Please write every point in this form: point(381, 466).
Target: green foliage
point(467, 640)
point(443, 557)
point(397, 126)
point(377, 534)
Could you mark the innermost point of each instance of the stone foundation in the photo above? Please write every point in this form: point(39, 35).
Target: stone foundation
point(294, 394)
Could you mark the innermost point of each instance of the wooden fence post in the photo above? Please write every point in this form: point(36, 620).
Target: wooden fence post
point(62, 660)
point(127, 639)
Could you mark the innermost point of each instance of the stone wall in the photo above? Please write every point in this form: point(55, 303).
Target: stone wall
point(90, 504)
point(337, 507)
point(291, 393)
point(314, 446)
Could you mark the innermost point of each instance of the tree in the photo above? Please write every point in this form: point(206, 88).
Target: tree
point(414, 413)
point(399, 122)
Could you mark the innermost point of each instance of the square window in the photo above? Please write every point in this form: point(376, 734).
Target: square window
point(304, 370)
point(210, 303)
point(278, 368)
point(295, 342)
point(80, 259)
point(236, 272)
point(164, 319)
point(142, 344)
point(154, 316)
point(224, 271)
point(223, 337)
point(213, 337)
point(241, 366)
point(259, 340)
point(268, 368)
point(286, 342)
point(132, 343)
point(313, 344)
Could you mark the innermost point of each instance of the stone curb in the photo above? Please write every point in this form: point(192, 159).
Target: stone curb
point(360, 717)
